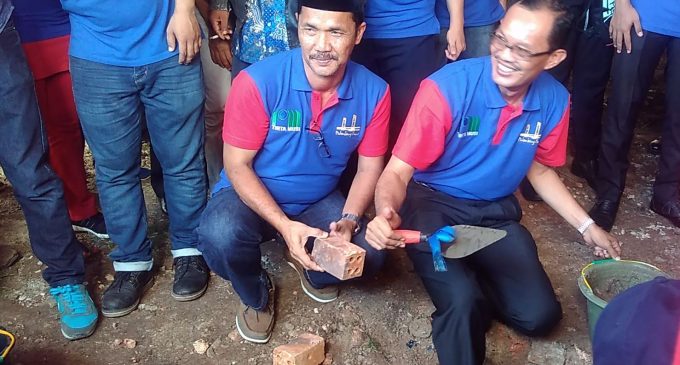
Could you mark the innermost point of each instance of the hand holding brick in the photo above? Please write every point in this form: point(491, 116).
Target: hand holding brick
point(306, 349)
point(338, 257)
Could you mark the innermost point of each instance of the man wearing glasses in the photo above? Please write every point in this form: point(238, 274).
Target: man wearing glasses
point(476, 128)
point(291, 123)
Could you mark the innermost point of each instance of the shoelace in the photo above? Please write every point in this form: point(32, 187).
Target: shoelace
point(184, 263)
point(123, 277)
point(72, 297)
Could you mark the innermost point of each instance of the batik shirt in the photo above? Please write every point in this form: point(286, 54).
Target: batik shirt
point(263, 27)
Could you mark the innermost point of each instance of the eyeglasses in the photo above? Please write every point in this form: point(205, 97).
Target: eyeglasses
point(498, 41)
point(322, 148)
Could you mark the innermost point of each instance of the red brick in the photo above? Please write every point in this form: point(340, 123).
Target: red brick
point(338, 257)
point(306, 349)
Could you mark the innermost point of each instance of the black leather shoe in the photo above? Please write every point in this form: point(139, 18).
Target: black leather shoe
point(191, 278)
point(604, 213)
point(528, 191)
point(669, 209)
point(585, 169)
point(122, 296)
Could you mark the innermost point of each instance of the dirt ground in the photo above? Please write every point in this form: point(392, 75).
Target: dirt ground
point(384, 320)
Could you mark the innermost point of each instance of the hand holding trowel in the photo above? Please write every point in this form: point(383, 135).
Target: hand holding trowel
point(453, 241)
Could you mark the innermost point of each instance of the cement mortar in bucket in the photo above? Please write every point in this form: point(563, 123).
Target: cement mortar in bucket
point(602, 280)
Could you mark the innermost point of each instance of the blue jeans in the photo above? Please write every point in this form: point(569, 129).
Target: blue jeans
point(110, 102)
point(230, 235)
point(23, 157)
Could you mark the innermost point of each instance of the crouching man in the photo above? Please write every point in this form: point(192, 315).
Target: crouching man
point(291, 123)
point(476, 128)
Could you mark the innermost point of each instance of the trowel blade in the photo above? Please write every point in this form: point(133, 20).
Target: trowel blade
point(470, 239)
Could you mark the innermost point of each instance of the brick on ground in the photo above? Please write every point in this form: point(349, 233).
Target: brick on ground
point(306, 349)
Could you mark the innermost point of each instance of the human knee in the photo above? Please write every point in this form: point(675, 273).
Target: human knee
point(216, 237)
point(541, 320)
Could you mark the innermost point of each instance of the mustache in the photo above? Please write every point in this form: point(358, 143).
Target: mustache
point(323, 56)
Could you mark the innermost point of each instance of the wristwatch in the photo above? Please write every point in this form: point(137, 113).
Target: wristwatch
point(352, 218)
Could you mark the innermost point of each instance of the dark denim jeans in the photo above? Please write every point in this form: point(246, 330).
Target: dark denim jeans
point(231, 233)
point(110, 102)
point(23, 157)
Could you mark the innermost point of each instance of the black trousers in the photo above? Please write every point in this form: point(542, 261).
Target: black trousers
point(403, 63)
point(589, 58)
point(504, 281)
point(631, 77)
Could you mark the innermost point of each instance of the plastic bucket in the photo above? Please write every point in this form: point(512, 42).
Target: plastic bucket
point(602, 280)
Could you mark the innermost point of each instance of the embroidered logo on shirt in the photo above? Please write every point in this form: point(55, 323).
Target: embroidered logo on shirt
point(348, 130)
point(469, 127)
point(286, 120)
point(531, 137)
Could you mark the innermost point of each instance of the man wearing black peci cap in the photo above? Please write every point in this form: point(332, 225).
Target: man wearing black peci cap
point(291, 123)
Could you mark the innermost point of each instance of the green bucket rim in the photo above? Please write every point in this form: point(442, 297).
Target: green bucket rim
point(587, 289)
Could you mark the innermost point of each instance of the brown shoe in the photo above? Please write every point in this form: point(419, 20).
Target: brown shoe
point(256, 326)
point(323, 295)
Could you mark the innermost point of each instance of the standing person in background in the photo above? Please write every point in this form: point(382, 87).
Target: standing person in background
point(589, 56)
point(262, 29)
point(592, 62)
point(142, 59)
point(23, 158)
point(44, 29)
point(216, 65)
point(641, 31)
point(400, 46)
point(466, 27)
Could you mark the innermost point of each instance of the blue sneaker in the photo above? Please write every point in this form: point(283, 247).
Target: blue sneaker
point(76, 309)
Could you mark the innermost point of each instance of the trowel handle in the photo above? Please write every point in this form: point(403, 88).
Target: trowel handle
point(411, 236)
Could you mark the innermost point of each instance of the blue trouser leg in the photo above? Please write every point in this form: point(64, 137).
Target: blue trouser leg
point(173, 99)
point(505, 280)
point(230, 235)
point(110, 112)
point(23, 157)
point(320, 215)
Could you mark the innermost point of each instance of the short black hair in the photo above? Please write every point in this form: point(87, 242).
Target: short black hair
point(564, 18)
point(356, 7)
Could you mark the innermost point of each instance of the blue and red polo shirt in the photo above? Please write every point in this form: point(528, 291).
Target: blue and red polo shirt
point(389, 19)
point(272, 109)
point(465, 140)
